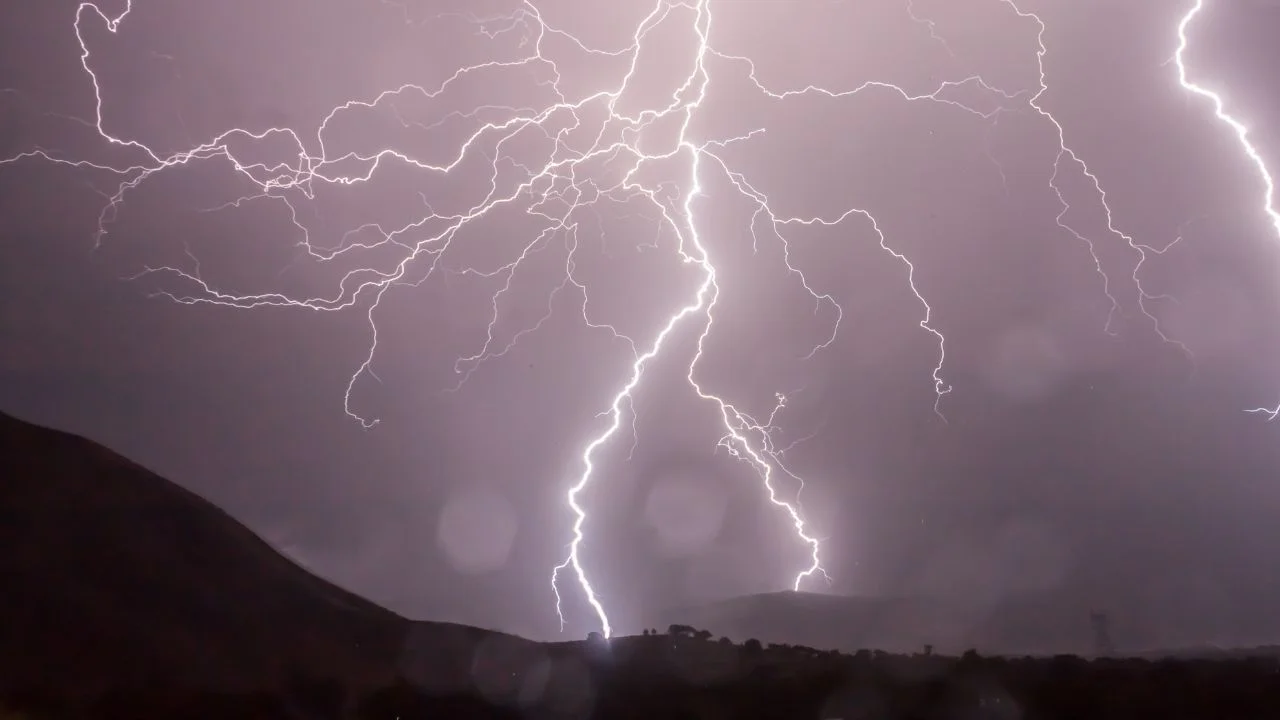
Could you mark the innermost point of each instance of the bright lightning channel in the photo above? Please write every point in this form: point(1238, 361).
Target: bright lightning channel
point(1242, 134)
point(557, 184)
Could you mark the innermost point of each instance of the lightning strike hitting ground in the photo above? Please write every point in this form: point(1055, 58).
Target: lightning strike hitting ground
point(570, 183)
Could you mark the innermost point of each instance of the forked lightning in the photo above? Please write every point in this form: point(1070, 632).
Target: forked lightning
point(571, 182)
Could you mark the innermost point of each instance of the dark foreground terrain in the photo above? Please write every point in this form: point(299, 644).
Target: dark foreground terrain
point(650, 678)
point(124, 596)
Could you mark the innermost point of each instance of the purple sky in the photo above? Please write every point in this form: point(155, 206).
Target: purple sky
point(1103, 465)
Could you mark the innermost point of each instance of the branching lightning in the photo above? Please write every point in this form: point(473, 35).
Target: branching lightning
point(1065, 152)
point(571, 184)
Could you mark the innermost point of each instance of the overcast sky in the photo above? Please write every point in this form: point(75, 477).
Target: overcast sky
point(1103, 464)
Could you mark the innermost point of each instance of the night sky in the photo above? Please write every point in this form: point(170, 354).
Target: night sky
point(1079, 453)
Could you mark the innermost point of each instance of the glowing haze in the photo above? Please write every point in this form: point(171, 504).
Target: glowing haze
point(590, 129)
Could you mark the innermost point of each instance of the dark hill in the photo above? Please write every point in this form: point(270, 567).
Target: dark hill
point(111, 576)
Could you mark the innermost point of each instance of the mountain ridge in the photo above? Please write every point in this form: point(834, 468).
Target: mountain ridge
point(116, 577)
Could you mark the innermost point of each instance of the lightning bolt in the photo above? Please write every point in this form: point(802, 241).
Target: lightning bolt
point(1241, 131)
point(1066, 153)
point(599, 153)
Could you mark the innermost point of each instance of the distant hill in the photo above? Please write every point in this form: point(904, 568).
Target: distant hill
point(1033, 623)
point(1029, 623)
point(111, 576)
point(824, 622)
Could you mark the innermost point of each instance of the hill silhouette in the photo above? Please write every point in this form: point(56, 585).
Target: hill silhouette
point(115, 577)
point(124, 596)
